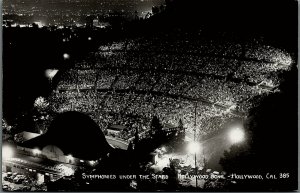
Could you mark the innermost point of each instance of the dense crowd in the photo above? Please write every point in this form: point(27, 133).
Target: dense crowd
point(210, 88)
point(262, 71)
point(135, 111)
point(128, 83)
point(268, 53)
point(194, 45)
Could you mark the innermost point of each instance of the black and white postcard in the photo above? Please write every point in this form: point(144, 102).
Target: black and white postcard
point(149, 95)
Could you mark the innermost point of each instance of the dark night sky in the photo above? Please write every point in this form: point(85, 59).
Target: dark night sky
point(139, 5)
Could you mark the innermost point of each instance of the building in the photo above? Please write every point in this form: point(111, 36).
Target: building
point(72, 140)
point(116, 129)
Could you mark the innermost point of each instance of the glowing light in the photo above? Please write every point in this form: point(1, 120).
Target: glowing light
point(70, 157)
point(36, 151)
point(89, 38)
point(163, 162)
point(193, 147)
point(65, 171)
point(236, 135)
point(7, 152)
point(66, 56)
point(39, 23)
point(92, 162)
point(50, 73)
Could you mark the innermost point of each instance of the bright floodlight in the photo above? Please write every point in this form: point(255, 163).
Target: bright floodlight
point(7, 152)
point(66, 56)
point(193, 147)
point(236, 135)
point(89, 38)
point(50, 73)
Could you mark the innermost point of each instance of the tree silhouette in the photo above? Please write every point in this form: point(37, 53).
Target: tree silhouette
point(155, 10)
point(156, 127)
point(136, 137)
point(172, 181)
point(180, 124)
